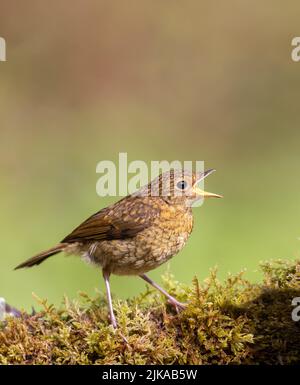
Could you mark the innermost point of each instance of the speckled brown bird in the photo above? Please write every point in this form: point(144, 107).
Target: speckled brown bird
point(137, 233)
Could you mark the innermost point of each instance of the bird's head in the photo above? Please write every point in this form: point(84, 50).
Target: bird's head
point(179, 187)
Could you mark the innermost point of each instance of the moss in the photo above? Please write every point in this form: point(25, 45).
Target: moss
point(235, 322)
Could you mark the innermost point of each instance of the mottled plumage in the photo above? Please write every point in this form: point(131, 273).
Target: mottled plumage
point(149, 234)
point(137, 233)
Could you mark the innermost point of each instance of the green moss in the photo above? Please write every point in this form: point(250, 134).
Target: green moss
point(235, 322)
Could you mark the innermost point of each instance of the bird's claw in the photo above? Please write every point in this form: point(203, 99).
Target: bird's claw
point(117, 331)
point(179, 306)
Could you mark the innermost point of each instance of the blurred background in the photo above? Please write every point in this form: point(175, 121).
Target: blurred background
point(192, 80)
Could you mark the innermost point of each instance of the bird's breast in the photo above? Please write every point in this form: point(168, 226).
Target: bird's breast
point(171, 231)
point(151, 247)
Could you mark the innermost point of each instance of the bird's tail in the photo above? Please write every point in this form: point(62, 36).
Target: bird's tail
point(39, 258)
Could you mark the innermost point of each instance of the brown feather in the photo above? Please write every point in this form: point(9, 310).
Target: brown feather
point(111, 223)
point(39, 258)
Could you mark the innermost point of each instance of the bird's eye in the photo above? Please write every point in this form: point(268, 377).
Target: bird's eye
point(182, 185)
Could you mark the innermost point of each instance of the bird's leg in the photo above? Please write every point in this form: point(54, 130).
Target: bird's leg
point(108, 294)
point(110, 306)
point(172, 300)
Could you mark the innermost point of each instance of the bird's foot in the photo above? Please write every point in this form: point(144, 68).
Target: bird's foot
point(117, 331)
point(113, 322)
point(124, 339)
point(179, 306)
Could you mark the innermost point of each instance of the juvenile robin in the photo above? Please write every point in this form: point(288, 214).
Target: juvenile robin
point(139, 232)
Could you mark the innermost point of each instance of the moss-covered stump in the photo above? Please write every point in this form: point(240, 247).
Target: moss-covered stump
point(235, 322)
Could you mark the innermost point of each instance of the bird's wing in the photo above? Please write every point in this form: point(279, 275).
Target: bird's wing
point(122, 220)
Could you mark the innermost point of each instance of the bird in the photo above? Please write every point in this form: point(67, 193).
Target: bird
point(138, 233)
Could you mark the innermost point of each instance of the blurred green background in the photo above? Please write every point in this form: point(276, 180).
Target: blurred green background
point(192, 80)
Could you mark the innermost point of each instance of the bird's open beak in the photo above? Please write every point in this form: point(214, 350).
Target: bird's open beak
point(205, 194)
point(202, 193)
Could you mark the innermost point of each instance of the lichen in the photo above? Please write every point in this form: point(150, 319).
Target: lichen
point(231, 322)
